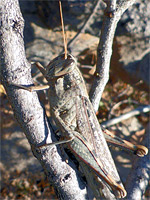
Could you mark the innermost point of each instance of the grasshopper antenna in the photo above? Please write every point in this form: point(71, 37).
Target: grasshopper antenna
point(63, 30)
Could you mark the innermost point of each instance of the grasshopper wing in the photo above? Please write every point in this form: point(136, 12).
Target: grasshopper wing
point(89, 133)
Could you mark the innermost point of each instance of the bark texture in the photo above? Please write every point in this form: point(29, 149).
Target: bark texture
point(27, 108)
point(139, 176)
point(112, 15)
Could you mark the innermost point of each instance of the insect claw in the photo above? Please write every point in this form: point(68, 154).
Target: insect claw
point(141, 150)
point(119, 191)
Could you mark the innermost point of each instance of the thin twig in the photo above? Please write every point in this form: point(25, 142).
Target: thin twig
point(125, 101)
point(137, 111)
point(112, 15)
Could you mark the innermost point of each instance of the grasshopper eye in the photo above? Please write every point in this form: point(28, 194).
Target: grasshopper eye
point(60, 66)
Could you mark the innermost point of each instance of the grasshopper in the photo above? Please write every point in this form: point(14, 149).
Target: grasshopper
point(75, 118)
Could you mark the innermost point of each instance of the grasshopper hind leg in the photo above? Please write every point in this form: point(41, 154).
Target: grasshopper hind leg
point(138, 150)
point(30, 88)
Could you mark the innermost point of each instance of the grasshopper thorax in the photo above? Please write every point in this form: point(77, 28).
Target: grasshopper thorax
point(60, 66)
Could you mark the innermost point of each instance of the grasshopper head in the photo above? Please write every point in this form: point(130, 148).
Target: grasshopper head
point(60, 66)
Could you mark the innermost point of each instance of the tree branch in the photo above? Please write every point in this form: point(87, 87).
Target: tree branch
point(139, 176)
point(112, 15)
point(137, 111)
point(27, 108)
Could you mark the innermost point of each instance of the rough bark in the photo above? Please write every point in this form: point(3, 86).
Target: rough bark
point(112, 15)
point(27, 108)
point(139, 176)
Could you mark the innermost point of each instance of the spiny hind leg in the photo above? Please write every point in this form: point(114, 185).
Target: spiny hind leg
point(30, 88)
point(139, 150)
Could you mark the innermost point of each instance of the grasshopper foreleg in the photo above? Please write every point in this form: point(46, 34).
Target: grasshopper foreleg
point(34, 88)
point(41, 68)
point(68, 133)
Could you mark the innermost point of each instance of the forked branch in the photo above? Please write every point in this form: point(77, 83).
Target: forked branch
point(112, 15)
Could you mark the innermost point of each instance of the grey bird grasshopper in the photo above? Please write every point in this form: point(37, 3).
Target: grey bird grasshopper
point(73, 113)
point(74, 116)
